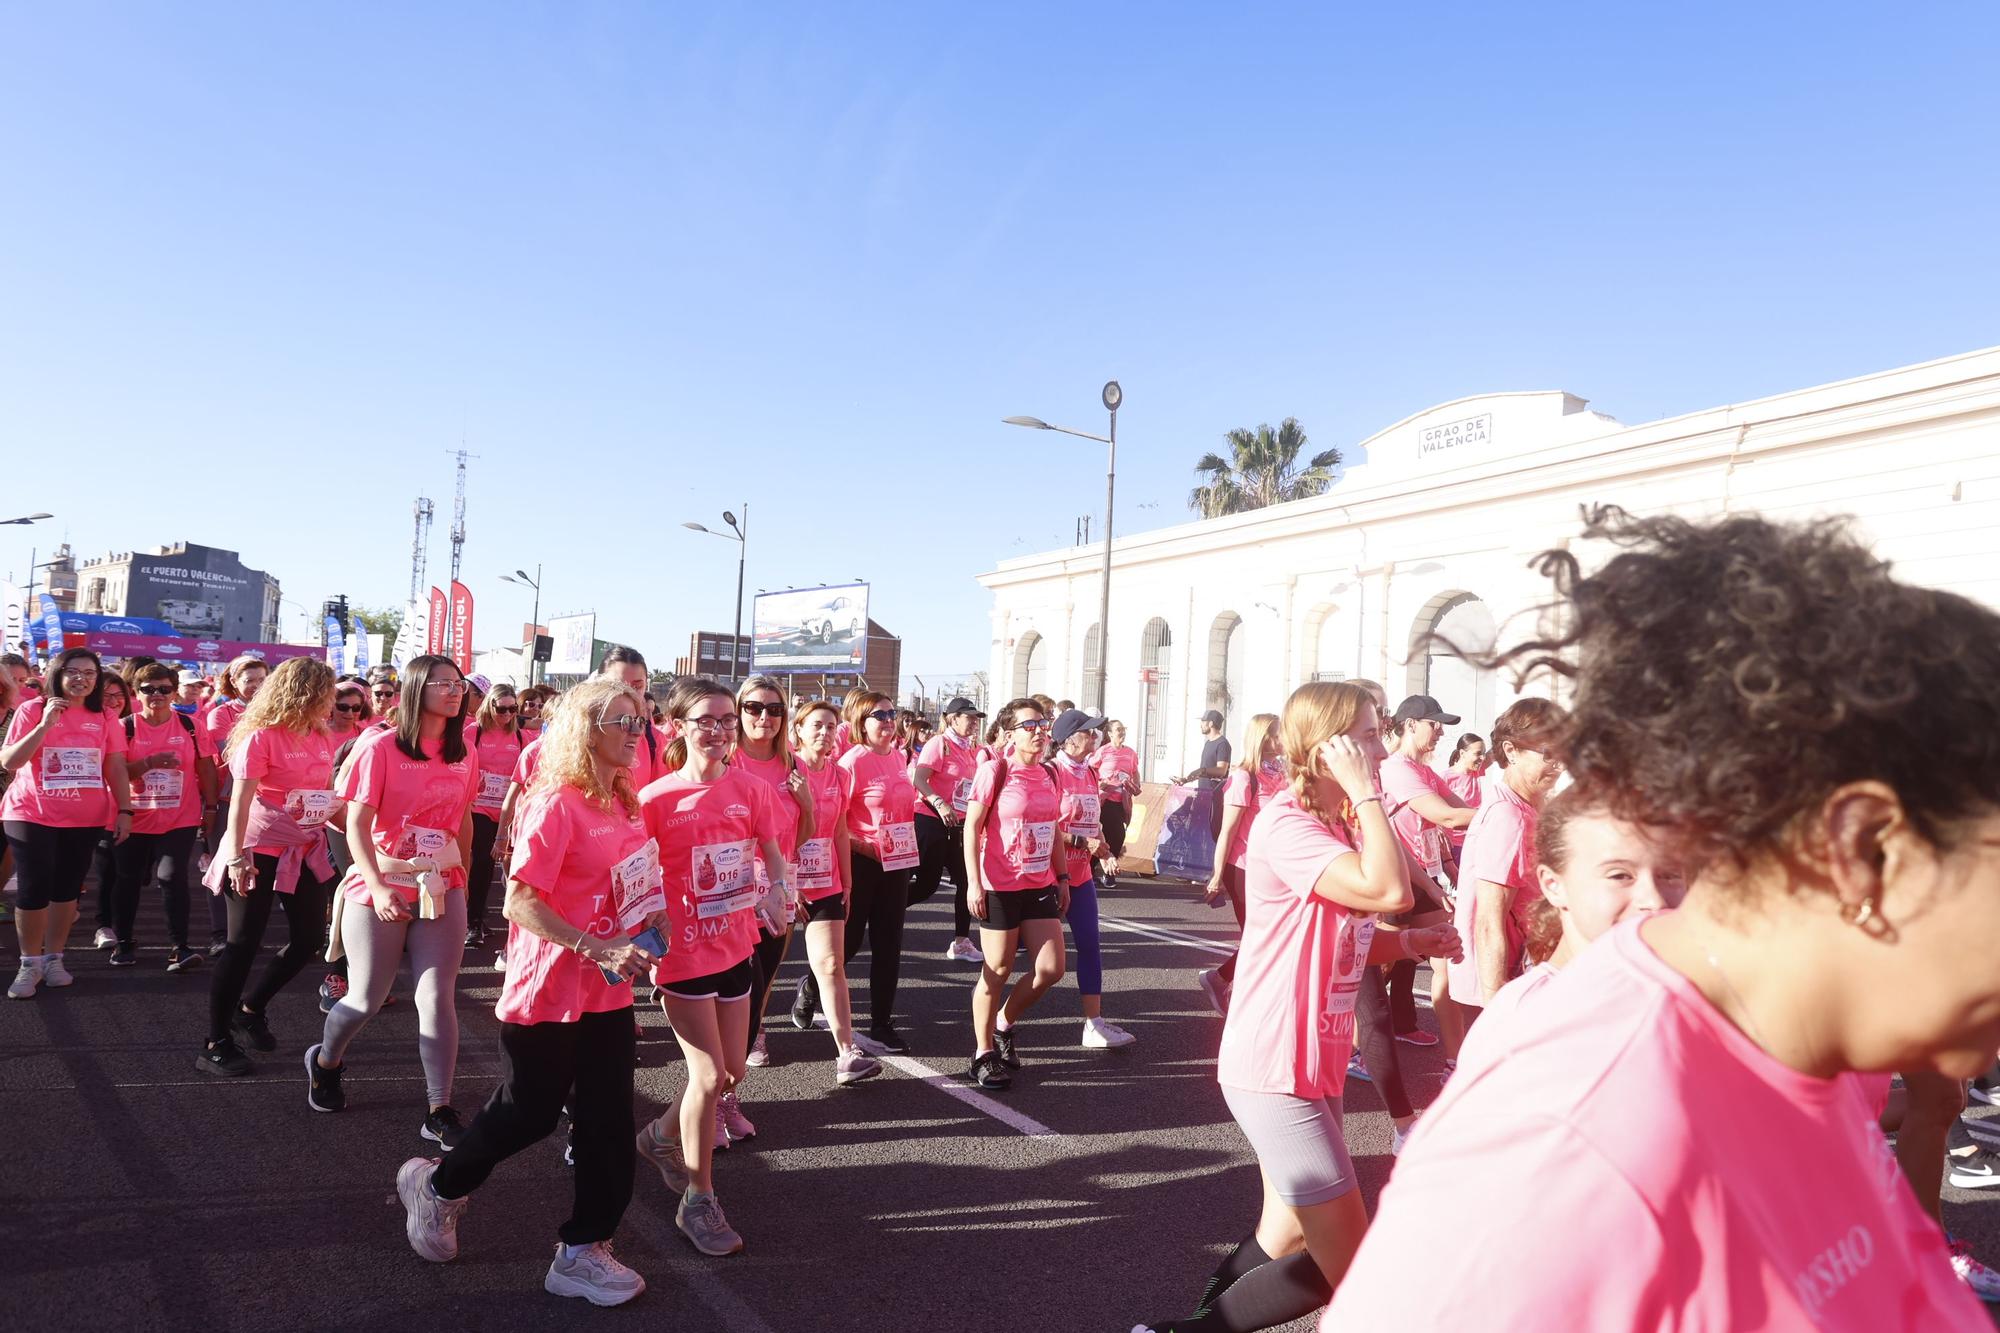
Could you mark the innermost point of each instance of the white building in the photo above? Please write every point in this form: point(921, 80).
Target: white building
point(1436, 529)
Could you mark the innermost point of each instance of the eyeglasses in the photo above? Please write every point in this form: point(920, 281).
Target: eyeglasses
point(758, 708)
point(631, 724)
point(1032, 724)
point(506, 710)
point(711, 725)
point(348, 708)
point(80, 673)
point(156, 690)
point(882, 715)
point(455, 686)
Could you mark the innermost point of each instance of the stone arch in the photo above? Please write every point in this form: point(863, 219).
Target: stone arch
point(1031, 661)
point(1465, 624)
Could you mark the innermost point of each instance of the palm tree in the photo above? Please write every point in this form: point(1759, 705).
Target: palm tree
point(1262, 469)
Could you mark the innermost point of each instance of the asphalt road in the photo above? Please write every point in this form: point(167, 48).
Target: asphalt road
point(141, 1193)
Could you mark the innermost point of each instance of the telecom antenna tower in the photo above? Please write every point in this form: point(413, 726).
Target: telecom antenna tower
point(457, 535)
point(420, 548)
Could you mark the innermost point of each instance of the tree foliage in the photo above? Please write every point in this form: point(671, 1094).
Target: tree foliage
point(1261, 468)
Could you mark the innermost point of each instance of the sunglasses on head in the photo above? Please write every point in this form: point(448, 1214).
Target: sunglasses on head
point(158, 689)
point(758, 708)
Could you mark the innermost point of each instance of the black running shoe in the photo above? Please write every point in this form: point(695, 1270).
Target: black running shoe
point(216, 948)
point(223, 1057)
point(323, 1092)
point(182, 959)
point(124, 956)
point(989, 1072)
point(257, 1030)
point(443, 1126)
point(890, 1040)
point(803, 1007)
point(1003, 1046)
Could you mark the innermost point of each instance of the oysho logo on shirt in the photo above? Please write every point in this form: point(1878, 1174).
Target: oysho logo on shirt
point(1833, 1268)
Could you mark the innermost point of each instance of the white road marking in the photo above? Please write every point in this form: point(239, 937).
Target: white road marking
point(977, 1100)
point(1170, 936)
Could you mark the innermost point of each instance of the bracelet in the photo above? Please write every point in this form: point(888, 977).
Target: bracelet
point(577, 947)
point(126, 813)
point(1377, 798)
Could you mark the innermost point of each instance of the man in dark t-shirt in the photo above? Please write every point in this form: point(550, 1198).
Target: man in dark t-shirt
point(1214, 766)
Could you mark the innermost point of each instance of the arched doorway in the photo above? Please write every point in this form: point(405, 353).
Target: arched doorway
point(1225, 671)
point(1461, 623)
point(1091, 692)
point(1031, 663)
point(1156, 644)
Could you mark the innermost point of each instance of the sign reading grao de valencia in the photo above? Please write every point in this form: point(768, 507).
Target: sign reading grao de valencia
point(1450, 436)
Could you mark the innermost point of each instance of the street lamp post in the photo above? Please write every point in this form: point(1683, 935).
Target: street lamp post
point(1114, 398)
point(534, 617)
point(738, 533)
point(28, 606)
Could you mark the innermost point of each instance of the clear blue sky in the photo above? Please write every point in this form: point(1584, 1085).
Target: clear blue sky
point(262, 265)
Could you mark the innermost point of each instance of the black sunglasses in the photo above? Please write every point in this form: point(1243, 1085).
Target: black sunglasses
point(883, 715)
point(159, 689)
point(758, 708)
point(506, 709)
point(348, 708)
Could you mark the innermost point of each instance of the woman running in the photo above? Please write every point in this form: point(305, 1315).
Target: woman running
point(1257, 775)
point(1082, 825)
point(173, 786)
point(1323, 865)
point(273, 851)
point(763, 753)
point(409, 795)
point(1020, 885)
point(825, 869)
point(943, 780)
point(1816, 739)
point(495, 739)
point(566, 1006)
point(1117, 766)
point(711, 822)
point(67, 757)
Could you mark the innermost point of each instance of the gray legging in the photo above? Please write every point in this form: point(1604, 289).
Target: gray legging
point(374, 950)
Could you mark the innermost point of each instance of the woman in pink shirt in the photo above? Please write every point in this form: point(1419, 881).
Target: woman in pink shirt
point(1323, 865)
point(273, 851)
point(67, 757)
point(1081, 822)
point(173, 783)
point(882, 831)
point(1259, 772)
point(408, 795)
point(942, 777)
point(1117, 766)
point(577, 889)
point(1816, 738)
point(763, 753)
point(1496, 877)
point(235, 688)
point(495, 740)
point(711, 822)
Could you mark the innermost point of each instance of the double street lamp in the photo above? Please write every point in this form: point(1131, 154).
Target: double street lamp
point(737, 534)
point(520, 576)
point(1114, 397)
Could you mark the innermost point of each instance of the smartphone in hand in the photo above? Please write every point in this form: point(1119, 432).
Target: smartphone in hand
point(648, 941)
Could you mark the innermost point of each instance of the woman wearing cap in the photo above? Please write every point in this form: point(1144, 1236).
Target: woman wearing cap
point(173, 783)
point(67, 757)
point(1081, 821)
point(943, 779)
point(1424, 811)
point(1117, 766)
point(495, 739)
point(1020, 884)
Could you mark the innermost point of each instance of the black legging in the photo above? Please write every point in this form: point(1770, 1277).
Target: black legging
point(305, 923)
point(479, 887)
point(104, 868)
point(1115, 815)
point(876, 906)
point(943, 852)
point(140, 857)
point(764, 960)
point(1376, 1040)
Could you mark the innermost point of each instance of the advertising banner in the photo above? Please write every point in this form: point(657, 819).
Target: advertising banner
point(1187, 839)
point(437, 630)
point(190, 649)
point(461, 626)
point(357, 650)
point(13, 617)
point(811, 629)
point(52, 625)
point(199, 590)
point(413, 635)
point(335, 640)
point(573, 637)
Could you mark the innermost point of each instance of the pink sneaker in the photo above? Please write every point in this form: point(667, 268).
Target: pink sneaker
point(730, 1112)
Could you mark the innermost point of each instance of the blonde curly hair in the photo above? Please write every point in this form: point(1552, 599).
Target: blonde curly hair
point(296, 697)
point(567, 742)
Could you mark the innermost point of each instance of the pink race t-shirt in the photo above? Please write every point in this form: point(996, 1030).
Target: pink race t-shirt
point(499, 753)
point(881, 807)
point(1022, 826)
point(952, 763)
point(1081, 815)
point(1291, 1012)
point(564, 848)
point(774, 773)
point(220, 720)
point(62, 784)
point(1500, 849)
point(1403, 781)
point(1117, 771)
point(1590, 1186)
point(708, 834)
point(1249, 795)
point(1470, 789)
point(419, 804)
point(821, 871)
point(164, 799)
point(529, 762)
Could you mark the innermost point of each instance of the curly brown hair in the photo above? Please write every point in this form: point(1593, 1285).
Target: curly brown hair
point(1731, 674)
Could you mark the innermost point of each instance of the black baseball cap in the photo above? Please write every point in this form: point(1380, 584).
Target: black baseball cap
point(1073, 720)
point(1212, 716)
point(962, 705)
point(1423, 708)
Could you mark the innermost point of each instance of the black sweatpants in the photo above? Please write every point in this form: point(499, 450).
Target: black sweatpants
point(764, 960)
point(943, 852)
point(140, 858)
point(589, 1064)
point(875, 910)
point(479, 882)
point(1115, 815)
point(104, 869)
point(305, 922)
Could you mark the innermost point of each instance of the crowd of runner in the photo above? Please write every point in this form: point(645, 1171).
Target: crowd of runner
point(1684, 927)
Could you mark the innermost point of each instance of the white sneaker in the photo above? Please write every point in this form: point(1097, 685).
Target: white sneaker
point(964, 951)
point(26, 980)
point(593, 1273)
point(665, 1155)
point(1216, 989)
point(105, 938)
point(1099, 1035)
point(432, 1223)
point(760, 1056)
point(54, 973)
point(1399, 1137)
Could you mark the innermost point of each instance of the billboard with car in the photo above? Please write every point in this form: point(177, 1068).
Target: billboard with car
point(811, 629)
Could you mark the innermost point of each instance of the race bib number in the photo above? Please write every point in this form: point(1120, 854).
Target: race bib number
point(161, 790)
point(723, 876)
point(961, 795)
point(1350, 959)
point(1088, 820)
point(816, 865)
point(492, 790)
point(310, 807)
point(414, 841)
point(72, 767)
point(638, 888)
point(1037, 841)
point(899, 846)
point(1430, 845)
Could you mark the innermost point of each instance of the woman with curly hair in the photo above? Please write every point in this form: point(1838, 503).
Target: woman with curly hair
point(1819, 743)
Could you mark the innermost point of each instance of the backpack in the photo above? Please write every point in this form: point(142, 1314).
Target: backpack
point(132, 725)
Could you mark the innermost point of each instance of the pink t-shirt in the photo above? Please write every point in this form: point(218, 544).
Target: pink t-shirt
point(499, 755)
point(1117, 770)
point(1469, 788)
point(565, 847)
point(1082, 813)
point(1404, 780)
point(1241, 791)
point(1500, 849)
point(1591, 1186)
point(1291, 1012)
point(775, 774)
point(708, 834)
point(881, 807)
point(952, 763)
point(420, 805)
point(62, 784)
point(529, 761)
point(1022, 827)
point(220, 720)
point(164, 799)
point(821, 871)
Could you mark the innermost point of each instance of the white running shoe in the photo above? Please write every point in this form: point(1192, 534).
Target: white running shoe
point(54, 973)
point(665, 1155)
point(593, 1273)
point(1099, 1035)
point(733, 1119)
point(105, 938)
point(760, 1055)
point(432, 1223)
point(26, 980)
point(963, 951)
point(1399, 1137)
point(1216, 989)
